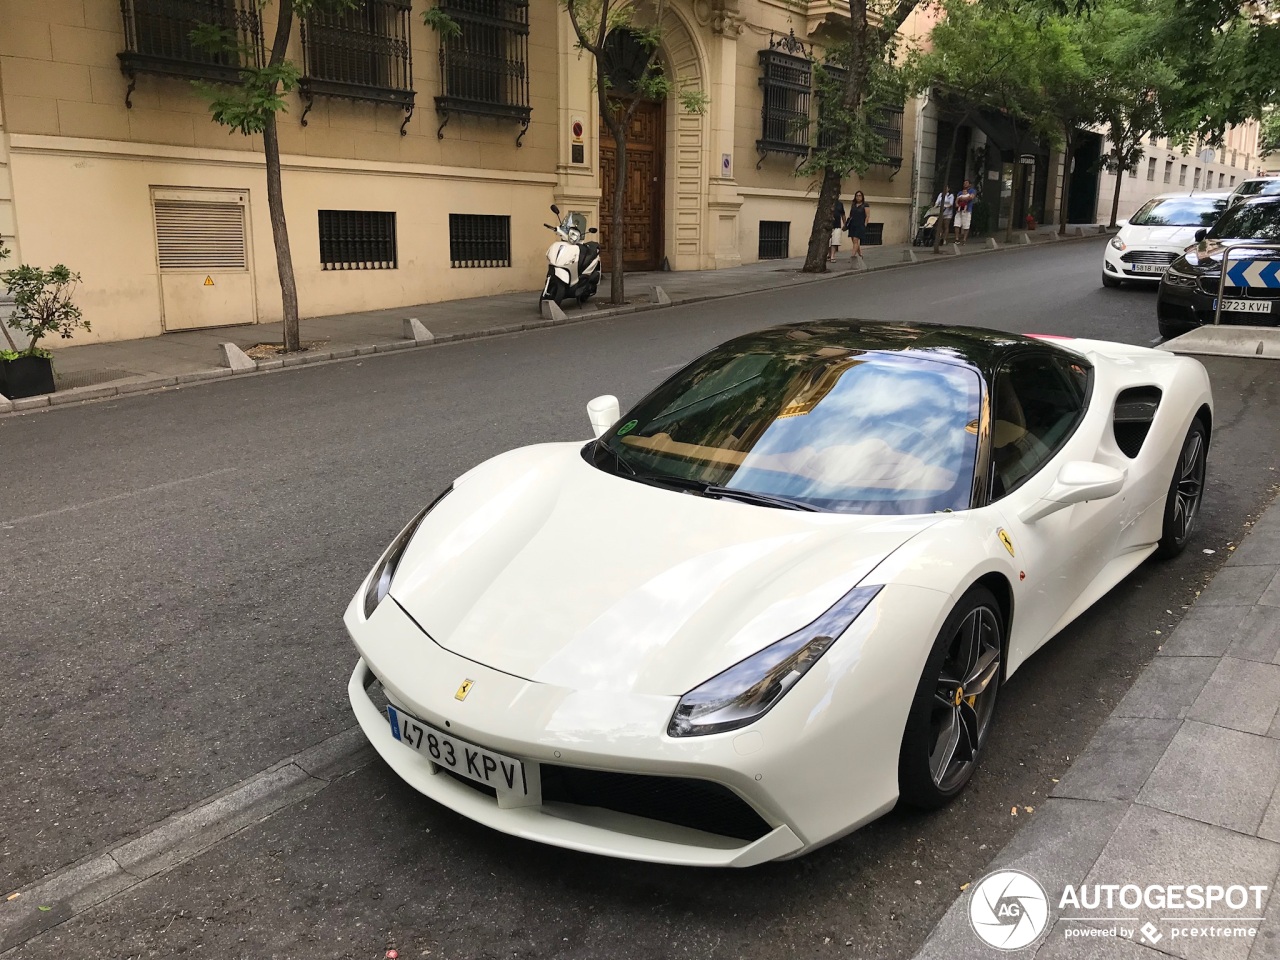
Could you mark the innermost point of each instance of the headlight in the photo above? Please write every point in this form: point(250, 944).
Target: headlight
point(385, 569)
point(748, 690)
point(1118, 244)
point(1177, 278)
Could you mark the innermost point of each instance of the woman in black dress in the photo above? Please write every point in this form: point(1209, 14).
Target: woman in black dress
point(859, 214)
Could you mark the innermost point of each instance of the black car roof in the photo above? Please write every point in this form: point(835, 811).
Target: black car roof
point(976, 347)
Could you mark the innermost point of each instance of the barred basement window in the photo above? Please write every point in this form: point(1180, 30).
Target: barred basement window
point(479, 240)
point(359, 54)
point(786, 79)
point(157, 39)
point(775, 239)
point(358, 240)
point(484, 70)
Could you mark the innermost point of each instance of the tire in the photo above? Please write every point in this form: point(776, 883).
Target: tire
point(1186, 490)
point(1110, 282)
point(943, 741)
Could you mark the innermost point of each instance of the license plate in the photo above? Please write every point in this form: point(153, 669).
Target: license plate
point(1246, 306)
point(1147, 267)
point(504, 774)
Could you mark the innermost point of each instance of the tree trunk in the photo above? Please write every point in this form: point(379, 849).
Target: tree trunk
point(1115, 198)
point(1066, 183)
point(815, 260)
point(1015, 199)
point(616, 283)
point(946, 180)
point(275, 195)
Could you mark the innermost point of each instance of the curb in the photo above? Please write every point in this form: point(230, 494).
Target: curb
point(158, 383)
point(58, 897)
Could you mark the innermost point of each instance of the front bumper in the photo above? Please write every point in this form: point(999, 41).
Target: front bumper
point(1180, 309)
point(801, 770)
point(1114, 264)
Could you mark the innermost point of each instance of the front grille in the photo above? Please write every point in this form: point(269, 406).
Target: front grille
point(697, 804)
point(1149, 256)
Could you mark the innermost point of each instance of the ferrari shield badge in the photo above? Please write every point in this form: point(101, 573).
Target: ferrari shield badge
point(464, 689)
point(1004, 538)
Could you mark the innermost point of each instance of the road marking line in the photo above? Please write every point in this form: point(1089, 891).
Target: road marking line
point(6, 524)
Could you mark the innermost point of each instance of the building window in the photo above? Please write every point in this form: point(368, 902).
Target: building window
point(775, 239)
point(1234, 157)
point(1151, 168)
point(1195, 179)
point(359, 54)
point(1222, 180)
point(1182, 175)
point(1233, 181)
point(479, 240)
point(786, 80)
point(357, 240)
point(1168, 171)
point(157, 36)
point(887, 124)
point(484, 69)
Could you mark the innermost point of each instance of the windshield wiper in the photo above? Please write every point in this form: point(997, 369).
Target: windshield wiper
point(620, 466)
point(725, 493)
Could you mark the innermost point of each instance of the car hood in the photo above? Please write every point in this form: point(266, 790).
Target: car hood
point(1210, 255)
point(1175, 239)
point(542, 566)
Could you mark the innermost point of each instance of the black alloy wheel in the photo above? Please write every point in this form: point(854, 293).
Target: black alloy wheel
point(954, 705)
point(1186, 490)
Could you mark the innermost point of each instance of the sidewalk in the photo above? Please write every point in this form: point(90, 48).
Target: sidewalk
point(1179, 786)
point(99, 370)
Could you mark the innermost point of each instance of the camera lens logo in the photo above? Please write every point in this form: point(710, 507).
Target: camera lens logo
point(1008, 910)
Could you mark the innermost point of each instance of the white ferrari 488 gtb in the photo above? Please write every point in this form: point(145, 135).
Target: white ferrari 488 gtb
point(776, 596)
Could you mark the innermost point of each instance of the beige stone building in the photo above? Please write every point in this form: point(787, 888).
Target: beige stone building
point(416, 168)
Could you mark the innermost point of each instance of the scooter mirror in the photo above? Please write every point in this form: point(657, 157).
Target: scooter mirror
point(555, 210)
point(592, 230)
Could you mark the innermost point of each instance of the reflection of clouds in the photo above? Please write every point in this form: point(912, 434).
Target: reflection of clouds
point(882, 426)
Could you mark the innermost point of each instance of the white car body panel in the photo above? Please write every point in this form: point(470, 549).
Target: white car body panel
point(583, 605)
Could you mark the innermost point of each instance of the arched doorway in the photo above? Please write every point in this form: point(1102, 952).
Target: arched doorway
point(642, 212)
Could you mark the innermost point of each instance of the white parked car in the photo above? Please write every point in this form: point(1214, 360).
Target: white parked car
point(1254, 187)
point(1157, 235)
point(779, 594)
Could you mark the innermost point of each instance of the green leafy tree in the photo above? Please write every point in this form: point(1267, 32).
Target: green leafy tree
point(42, 306)
point(250, 107)
point(593, 21)
point(862, 47)
point(1269, 135)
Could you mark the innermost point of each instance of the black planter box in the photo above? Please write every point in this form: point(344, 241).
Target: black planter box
point(26, 377)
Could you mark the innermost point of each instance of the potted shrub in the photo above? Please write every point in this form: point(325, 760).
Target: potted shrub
point(42, 306)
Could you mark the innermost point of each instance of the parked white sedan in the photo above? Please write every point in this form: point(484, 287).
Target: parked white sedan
point(1157, 235)
point(776, 596)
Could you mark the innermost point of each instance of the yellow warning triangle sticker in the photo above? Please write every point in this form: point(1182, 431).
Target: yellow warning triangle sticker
point(208, 281)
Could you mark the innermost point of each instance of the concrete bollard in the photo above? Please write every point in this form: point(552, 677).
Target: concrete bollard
point(991, 244)
point(415, 331)
point(658, 295)
point(909, 256)
point(1024, 239)
point(237, 359)
point(551, 311)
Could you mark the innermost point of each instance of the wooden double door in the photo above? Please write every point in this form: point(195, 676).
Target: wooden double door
point(642, 225)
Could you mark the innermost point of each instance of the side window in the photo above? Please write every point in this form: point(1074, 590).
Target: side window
point(1038, 402)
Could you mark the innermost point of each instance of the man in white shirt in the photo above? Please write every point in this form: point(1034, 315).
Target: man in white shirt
point(946, 202)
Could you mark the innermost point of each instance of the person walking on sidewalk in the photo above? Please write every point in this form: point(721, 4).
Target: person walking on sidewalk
point(946, 204)
point(965, 200)
point(837, 228)
point(859, 214)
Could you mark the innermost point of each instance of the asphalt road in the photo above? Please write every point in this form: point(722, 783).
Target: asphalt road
point(174, 567)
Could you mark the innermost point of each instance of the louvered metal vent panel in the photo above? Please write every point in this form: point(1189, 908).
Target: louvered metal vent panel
point(200, 236)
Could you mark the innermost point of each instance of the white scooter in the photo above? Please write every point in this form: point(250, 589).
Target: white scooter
point(573, 267)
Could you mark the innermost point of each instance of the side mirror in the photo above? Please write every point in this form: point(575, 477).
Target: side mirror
point(1201, 234)
point(1122, 223)
point(603, 413)
point(592, 230)
point(1079, 481)
point(555, 210)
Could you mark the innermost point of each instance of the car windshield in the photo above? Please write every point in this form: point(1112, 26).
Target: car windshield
point(828, 427)
point(1179, 212)
point(1254, 188)
point(1253, 221)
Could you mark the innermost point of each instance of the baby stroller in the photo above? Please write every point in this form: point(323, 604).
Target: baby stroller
point(924, 232)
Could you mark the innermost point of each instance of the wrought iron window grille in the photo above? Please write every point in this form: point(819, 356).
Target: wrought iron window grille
point(357, 240)
point(786, 77)
point(479, 240)
point(886, 122)
point(484, 70)
point(359, 54)
point(157, 40)
point(775, 239)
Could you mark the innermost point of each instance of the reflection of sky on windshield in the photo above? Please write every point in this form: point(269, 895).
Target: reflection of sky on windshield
point(886, 430)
